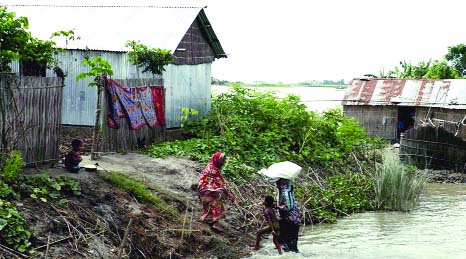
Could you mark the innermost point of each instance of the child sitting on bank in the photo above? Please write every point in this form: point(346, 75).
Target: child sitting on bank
point(73, 158)
point(272, 225)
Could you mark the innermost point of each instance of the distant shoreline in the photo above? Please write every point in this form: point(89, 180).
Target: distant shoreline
point(336, 86)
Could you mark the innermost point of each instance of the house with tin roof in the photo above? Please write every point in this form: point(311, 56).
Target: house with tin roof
point(102, 30)
point(429, 114)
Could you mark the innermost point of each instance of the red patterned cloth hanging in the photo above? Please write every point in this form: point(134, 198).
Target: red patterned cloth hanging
point(158, 95)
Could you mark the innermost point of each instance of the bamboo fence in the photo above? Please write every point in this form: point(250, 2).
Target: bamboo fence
point(377, 120)
point(433, 147)
point(30, 118)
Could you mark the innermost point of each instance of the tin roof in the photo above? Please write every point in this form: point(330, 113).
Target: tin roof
point(109, 27)
point(448, 93)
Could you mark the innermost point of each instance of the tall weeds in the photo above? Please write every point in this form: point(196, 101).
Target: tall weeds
point(397, 186)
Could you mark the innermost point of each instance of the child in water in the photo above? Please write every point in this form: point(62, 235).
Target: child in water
point(272, 225)
point(73, 158)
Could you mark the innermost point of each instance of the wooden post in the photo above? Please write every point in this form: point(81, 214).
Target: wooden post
point(96, 135)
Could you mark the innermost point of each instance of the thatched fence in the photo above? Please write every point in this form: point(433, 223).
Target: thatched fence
point(124, 139)
point(433, 147)
point(30, 116)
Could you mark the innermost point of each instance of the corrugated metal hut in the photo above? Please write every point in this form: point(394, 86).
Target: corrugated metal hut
point(430, 113)
point(103, 30)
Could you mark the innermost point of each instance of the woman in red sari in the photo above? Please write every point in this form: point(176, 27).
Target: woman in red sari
point(212, 191)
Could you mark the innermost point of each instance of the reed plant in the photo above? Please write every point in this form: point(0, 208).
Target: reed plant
point(397, 186)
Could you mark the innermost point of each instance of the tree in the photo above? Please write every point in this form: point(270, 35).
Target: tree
point(17, 43)
point(441, 70)
point(457, 56)
point(408, 70)
point(423, 69)
point(99, 69)
point(151, 59)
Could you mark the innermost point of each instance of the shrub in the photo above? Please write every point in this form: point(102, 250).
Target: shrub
point(338, 195)
point(12, 166)
point(14, 229)
point(256, 129)
point(397, 186)
point(42, 187)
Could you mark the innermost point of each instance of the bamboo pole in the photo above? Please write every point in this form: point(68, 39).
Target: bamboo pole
point(124, 238)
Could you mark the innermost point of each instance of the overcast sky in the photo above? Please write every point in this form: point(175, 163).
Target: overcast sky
point(299, 40)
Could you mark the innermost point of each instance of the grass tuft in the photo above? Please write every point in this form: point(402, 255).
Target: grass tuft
point(397, 186)
point(141, 192)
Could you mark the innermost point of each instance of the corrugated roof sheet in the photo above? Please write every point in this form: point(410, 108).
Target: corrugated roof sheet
point(448, 93)
point(109, 27)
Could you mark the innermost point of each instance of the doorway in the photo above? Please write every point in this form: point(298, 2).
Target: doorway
point(405, 120)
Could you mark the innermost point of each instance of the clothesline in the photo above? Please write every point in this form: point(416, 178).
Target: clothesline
point(140, 105)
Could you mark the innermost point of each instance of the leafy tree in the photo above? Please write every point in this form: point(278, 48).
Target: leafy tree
point(457, 55)
point(17, 43)
point(98, 66)
point(13, 36)
point(423, 69)
point(408, 70)
point(151, 59)
point(441, 70)
point(99, 69)
point(68, 35)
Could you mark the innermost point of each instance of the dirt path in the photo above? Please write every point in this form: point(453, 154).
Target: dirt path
point(177, 175)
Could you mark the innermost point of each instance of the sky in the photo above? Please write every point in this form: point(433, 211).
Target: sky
point(303, 40)
point(300, 40)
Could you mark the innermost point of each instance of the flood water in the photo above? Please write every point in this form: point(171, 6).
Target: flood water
point(316, 99)
point(435, 229)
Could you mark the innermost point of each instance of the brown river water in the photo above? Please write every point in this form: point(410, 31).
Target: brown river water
point(435, 229)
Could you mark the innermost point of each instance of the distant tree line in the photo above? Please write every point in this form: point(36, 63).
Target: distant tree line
point(216, 81)
point(452, 66)
point(330, 83)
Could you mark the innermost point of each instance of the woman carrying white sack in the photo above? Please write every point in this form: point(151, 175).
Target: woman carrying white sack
point(290, 216)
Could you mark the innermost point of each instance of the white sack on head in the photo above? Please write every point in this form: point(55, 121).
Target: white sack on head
point(265, 172)
point(286, 170)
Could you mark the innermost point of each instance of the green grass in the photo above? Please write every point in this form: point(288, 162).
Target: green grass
point(397, 186)
point(140, 191)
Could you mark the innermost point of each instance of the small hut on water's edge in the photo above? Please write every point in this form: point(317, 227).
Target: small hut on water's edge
point(395, 108)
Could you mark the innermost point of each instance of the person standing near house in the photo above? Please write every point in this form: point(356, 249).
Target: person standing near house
point(212, 192)
point(400, 128)
point(290, 215)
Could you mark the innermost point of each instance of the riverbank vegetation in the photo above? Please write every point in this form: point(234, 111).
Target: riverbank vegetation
point(397, 186)
point(256, 129)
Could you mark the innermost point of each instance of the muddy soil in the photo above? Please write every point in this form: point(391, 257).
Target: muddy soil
point(94, 224)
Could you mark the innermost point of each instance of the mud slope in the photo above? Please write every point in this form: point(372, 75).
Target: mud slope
point(94, 224)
